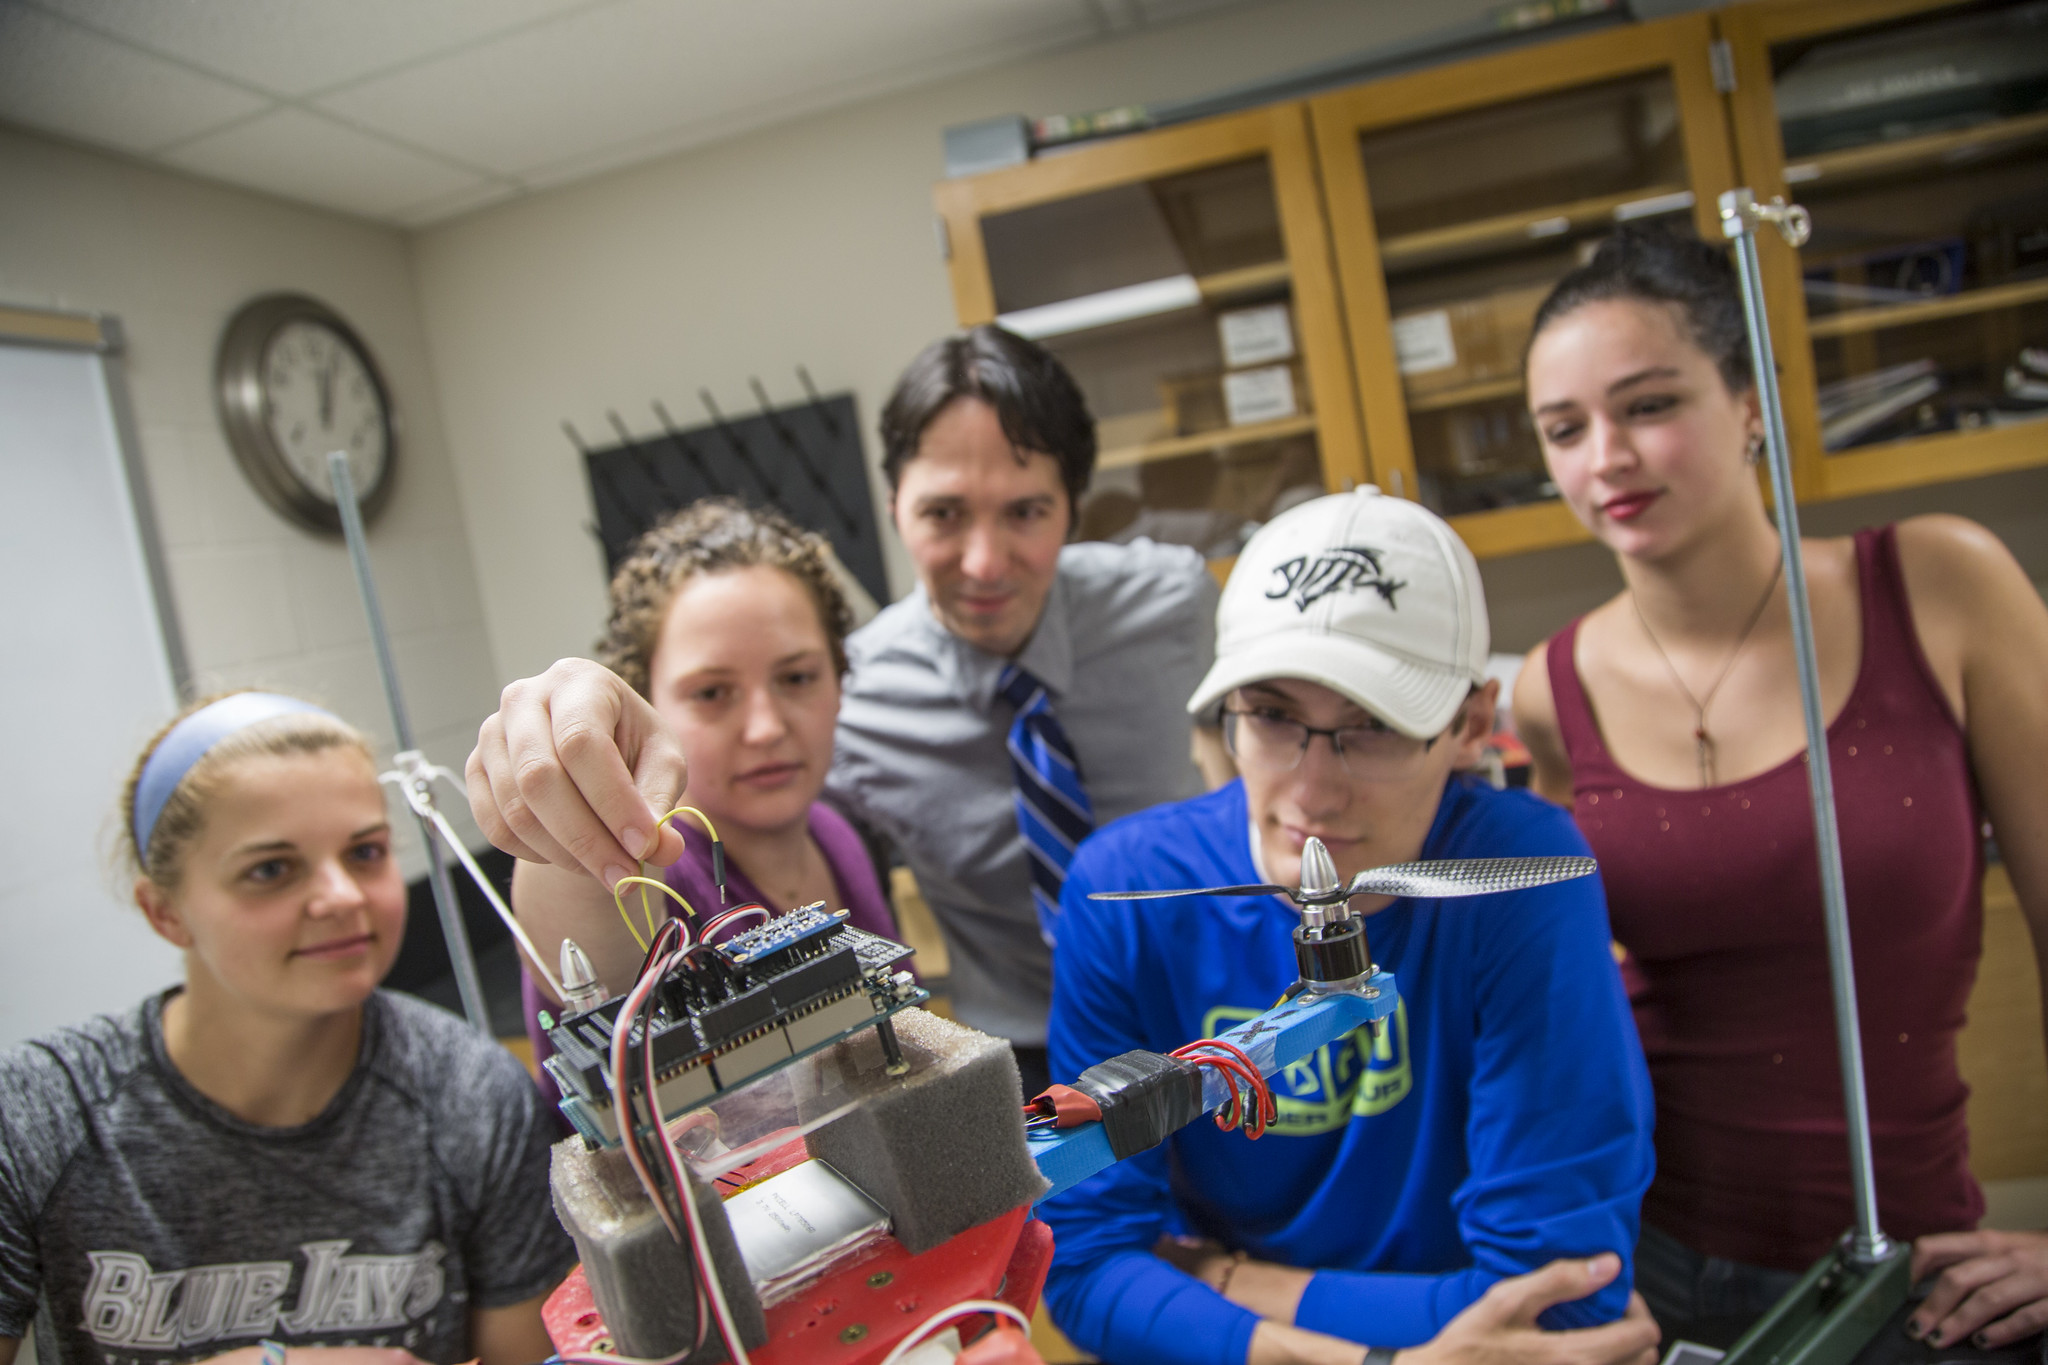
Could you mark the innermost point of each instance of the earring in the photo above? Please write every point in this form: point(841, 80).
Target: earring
point(1754, 451)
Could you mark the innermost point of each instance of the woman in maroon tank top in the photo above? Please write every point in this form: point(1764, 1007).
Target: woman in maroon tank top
point(1669, 719)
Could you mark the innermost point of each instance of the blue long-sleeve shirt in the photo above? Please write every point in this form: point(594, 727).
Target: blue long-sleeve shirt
point(1502, 1120)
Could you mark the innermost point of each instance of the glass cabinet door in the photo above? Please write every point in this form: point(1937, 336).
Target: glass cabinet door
point(1166, 272)
point(1459, 197)
point(1918, 314)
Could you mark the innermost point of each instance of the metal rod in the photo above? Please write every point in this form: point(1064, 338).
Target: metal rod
point(467, 983)
point(1739, 215)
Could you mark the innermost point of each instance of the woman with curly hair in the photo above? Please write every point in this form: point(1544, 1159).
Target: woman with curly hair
point(729, 620)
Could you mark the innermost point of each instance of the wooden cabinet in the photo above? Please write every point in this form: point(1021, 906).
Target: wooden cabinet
point(1917, 137)
point(1183, 277)
point(1408, 228)
point(1457, 197)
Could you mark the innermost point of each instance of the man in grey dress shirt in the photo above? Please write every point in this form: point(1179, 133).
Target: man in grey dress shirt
point(987, 446)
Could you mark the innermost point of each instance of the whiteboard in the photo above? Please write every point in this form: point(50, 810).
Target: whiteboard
point(85, 679)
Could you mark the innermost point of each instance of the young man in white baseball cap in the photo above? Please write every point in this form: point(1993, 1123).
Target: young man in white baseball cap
point(1503, 1117)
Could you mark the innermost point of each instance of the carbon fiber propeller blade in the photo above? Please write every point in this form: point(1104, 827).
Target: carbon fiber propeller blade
point(1468, 876)
point(1197, 891)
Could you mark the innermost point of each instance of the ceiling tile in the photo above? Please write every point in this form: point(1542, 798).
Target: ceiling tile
point(58, 77)
point(639, 69)
point(305, 156)
point(293, 47)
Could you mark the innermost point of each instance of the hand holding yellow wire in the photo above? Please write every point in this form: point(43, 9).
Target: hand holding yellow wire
point(645, 882)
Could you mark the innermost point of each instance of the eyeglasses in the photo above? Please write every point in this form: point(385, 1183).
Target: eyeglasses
point(1268, 741)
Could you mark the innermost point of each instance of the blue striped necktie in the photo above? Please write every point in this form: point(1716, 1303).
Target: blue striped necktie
point(1053, 810)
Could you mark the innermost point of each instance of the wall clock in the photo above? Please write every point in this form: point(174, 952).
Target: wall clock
point(293, 382)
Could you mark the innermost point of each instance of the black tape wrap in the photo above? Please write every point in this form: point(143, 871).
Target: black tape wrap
point(1143, 1097)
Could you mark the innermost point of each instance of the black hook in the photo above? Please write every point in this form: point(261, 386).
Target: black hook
point(803, 456)
point(739, 446)
point(662, 487)
point(682, 443)
point(803, 377)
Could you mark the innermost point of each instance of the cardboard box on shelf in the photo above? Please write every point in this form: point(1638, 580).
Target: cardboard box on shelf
point(1468, 342)
point(1210, 401)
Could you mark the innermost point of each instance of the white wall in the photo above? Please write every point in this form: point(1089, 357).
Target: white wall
point(809, 243)
point(260, 601)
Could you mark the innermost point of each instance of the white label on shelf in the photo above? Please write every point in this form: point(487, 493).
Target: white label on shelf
point(1422, 342)
point(1252, 336)
point(1259, 395)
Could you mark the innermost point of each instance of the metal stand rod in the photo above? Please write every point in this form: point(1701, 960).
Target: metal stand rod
point(1740, 214)
point(467, 983)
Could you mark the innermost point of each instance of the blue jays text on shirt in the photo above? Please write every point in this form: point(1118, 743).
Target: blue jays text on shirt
point(1354, 1077)
point(375, 1300)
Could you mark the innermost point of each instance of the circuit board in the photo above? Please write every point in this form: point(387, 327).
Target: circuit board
point(734, 1012)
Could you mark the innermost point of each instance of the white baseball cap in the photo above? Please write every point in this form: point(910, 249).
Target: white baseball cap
point(1374, 597)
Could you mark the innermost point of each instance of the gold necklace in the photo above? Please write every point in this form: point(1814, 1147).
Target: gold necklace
point(1702, 741)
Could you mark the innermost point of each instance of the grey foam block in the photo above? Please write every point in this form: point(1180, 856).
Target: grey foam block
point(942, 1149)
point(639, 1275)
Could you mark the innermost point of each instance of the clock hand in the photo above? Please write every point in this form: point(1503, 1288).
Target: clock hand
point(327, 397)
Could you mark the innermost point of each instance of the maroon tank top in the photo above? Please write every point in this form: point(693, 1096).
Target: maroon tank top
point(1716, 895)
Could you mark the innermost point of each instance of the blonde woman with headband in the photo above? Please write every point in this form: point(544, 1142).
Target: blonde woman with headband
point(272, 1160)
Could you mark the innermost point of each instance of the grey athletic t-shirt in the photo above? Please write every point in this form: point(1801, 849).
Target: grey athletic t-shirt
point(141, 1224)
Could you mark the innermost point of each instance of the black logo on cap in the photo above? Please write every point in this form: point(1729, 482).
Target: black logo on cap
point(1308, 581)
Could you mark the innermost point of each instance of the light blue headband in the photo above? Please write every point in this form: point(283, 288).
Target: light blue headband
point(192, 738)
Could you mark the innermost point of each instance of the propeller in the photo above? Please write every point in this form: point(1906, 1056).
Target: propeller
point(1438, 878)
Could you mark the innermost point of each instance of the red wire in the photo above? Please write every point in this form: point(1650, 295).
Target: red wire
point(1234, 1066)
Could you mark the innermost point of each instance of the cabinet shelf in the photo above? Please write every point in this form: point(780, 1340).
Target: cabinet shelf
point(1223, 438)
point(1915, 153)
point(1485, 235)
point(1859, 320)
point(1465, 394)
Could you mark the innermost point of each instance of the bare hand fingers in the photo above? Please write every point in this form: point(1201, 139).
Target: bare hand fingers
point(659, 774)
point(599, 728)
point(536, 795)
point(483, 801)
point(1624, 1341)
point(2024, 1321)
point(1519, 1300)
point(1947, 1315)
point(1990, 1304)
point(1944, 1249)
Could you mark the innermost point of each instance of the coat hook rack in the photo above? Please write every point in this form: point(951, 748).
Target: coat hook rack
point(804, 459)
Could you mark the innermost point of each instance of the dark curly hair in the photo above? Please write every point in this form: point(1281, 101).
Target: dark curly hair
point(1657, 265)
point(712, 535)
point(1037, 401)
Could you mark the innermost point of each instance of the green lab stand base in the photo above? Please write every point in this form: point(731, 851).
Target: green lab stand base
point(1831, 1314)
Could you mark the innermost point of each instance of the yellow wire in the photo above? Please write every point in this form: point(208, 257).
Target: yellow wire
point(646, 907)
point(702, 819)
point(619, 899)
point(644, 882)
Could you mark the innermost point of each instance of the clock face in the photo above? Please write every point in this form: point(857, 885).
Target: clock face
point(319, 396)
